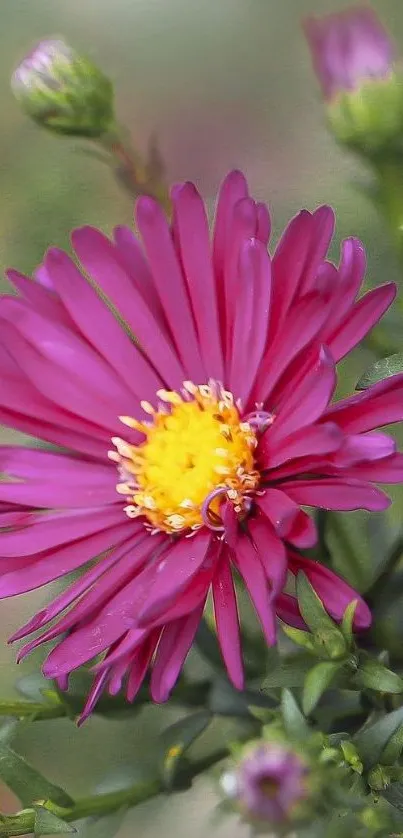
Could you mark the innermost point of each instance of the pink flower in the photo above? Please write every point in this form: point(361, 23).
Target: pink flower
point(269, 782)
point(349, 48)
point(222, 429)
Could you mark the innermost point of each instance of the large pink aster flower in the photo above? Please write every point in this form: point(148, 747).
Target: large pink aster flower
point(191, 447)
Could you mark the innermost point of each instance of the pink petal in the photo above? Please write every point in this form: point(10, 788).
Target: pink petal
point(289, 521)
point(170, 284)
point(288, 265)
point(101, 329)
point(140, 664)
point(248, 562)
point(173, 648)
point(287, 610)
point(251, 317)
point(49, 355)
point(99, 257)
point(107, 624)
point(360, 320)
point(323, 223)
point(56, 528)
point(52, 564)
point(133, 553)
point(233, 189)
point(164, 581)
point(361, 447)
point(227, 622)
point(40, 298)
point(55, 479)
point(132, 256)
point(304, 321)
point(334, 592)
point(195, 250)
point(337, 493)
point(308, 441)
point(380, 405)
point(388, 470)
point(350, 277)
point(271, 552)
point(308, 401)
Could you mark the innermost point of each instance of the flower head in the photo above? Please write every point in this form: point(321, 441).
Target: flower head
point(64, 91)
point(269, 782)
point(189, 386)
point(354, 59)
point(349, 48)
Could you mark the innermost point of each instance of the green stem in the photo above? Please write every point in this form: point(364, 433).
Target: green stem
point(188, 695)
point(23, 823)
point(389, 200)
point(138, 175)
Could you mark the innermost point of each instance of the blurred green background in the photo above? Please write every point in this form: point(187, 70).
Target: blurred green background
point(221, 84)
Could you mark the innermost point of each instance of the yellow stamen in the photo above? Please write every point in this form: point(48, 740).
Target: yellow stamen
point(170, 475)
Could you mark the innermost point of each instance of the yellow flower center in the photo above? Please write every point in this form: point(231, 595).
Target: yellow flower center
point(197, 453)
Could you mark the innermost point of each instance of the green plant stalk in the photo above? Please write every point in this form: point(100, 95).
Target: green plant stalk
point(389, 202)
point(23, 823)
point(138, 175)
point(190, 695)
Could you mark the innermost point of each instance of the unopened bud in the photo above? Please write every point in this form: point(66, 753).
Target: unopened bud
point(354, 59)
point(64, 91)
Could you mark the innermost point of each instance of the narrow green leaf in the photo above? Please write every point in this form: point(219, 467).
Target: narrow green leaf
point(46, 823)
point(294, 721)
point(176, 740)
point(312, 610)
point(381, 369)
point(393, 748)
point(316, 682)
point(394, 795)
point(371, 742)
point(290, 672)
point(28, 784)
point(299, 637)
point(374, 676)
point(346, 625)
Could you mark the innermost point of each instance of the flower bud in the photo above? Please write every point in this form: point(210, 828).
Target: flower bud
point(353, 57)
point(63, 91)
point(268, 783)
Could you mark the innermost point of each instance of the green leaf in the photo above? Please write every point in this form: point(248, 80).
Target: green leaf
point(312, 610)
point(46, 823)
point(28, 784)
point(371, 741)
point(394, 747)
point(394, 795)
point(346, 625)
point(289, 672)
point(374, 676)
point(299, 637)
point(316, 682)
point(176, 740)
point(295, 723)
point(328, 639)
point(381, 369)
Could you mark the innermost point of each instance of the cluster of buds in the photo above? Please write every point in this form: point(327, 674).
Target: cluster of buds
point(362, 82)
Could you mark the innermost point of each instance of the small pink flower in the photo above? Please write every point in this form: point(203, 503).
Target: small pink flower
point(269, 782)
point(349, 48)
point(221, 423)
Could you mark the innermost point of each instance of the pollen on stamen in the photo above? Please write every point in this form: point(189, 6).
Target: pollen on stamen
point(196, 449)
